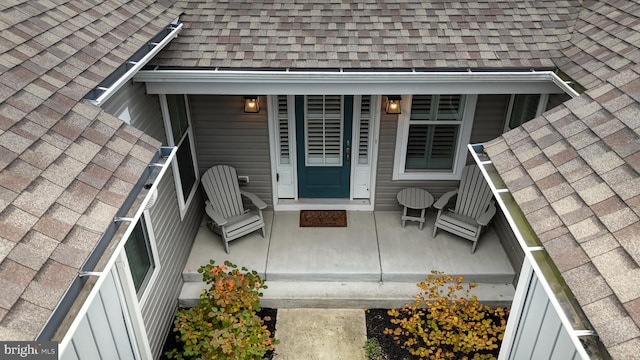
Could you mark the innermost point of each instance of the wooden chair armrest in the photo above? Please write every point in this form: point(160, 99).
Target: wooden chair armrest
point(214, 215)
point(444, 199)
point(487, 215)
point(254, 199)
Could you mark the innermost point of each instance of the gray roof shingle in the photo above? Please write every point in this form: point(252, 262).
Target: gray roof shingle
point(594, 194)
point(370, 34)
point(60, 181)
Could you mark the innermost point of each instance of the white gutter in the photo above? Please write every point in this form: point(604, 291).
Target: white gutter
point(528, 252)
point(102, 275)
point(108, 92)
point(340, 76)
point(232, 82)
point(564, 85)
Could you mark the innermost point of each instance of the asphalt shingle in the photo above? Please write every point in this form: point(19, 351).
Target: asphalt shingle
point(51, 167)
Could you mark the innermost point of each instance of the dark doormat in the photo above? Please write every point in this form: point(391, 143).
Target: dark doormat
point(323, 218)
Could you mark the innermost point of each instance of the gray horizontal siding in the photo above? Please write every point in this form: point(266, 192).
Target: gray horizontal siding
point(491, 111)
point(226, 135)
point(144, 109)
point(174, 239)
point(509, 243)
point(490, 116)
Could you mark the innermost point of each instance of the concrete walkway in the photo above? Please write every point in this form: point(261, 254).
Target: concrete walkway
point(320, 334)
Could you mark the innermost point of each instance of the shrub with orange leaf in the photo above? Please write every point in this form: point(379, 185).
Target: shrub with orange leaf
point(446, 322)
point(224, 325)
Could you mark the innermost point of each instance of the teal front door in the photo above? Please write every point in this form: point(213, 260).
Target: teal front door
point(323, 132)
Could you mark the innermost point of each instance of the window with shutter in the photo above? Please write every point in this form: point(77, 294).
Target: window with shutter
point(431, 134)
point(323, 130)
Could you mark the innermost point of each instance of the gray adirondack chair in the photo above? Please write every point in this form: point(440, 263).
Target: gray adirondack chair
point(224, 205)
point(473, 210)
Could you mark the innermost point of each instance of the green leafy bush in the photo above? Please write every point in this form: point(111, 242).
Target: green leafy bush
point(442, 324)
point(372, 350)
point(224, 325)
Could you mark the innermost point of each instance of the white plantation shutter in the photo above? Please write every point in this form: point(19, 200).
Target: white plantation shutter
point(434, 127)
point(421, 107)
point(281, 113)
point(364, 130)
point(323, 130)
point(365, 113)
point(283, 130)
point(449, 107)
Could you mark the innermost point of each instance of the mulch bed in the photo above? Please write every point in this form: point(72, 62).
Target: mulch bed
point(268, 315)
point(377, 320)
point(323, 218)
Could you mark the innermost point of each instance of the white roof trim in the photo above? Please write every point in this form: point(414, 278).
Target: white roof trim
point(239, 82)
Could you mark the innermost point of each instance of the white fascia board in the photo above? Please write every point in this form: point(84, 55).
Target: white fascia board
point(223, 82)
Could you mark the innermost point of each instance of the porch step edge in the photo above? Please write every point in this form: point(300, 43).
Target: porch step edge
point(354, 295)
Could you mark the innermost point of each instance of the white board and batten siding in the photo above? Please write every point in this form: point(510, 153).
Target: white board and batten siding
point(535, 329)
point(104, 332)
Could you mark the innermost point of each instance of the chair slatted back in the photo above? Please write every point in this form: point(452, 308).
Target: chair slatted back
point(474, 194)
point(221, 185)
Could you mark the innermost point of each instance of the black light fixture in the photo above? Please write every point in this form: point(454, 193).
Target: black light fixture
point(393, 104)
point(251, 104)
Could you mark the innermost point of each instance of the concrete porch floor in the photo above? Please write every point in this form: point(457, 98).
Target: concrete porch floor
point(371, 262)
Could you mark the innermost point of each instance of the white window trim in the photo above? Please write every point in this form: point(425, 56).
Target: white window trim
point(402, 135)
point(153, 248)
point(182, 204)
point(131, 305)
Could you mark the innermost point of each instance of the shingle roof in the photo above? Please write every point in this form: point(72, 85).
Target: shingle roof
point(604, 41)
point(575, 173)
point(63, 171)
point(370, 34)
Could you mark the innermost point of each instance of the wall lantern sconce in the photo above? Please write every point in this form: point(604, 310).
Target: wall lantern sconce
point(251, 104)
point(393, 104)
